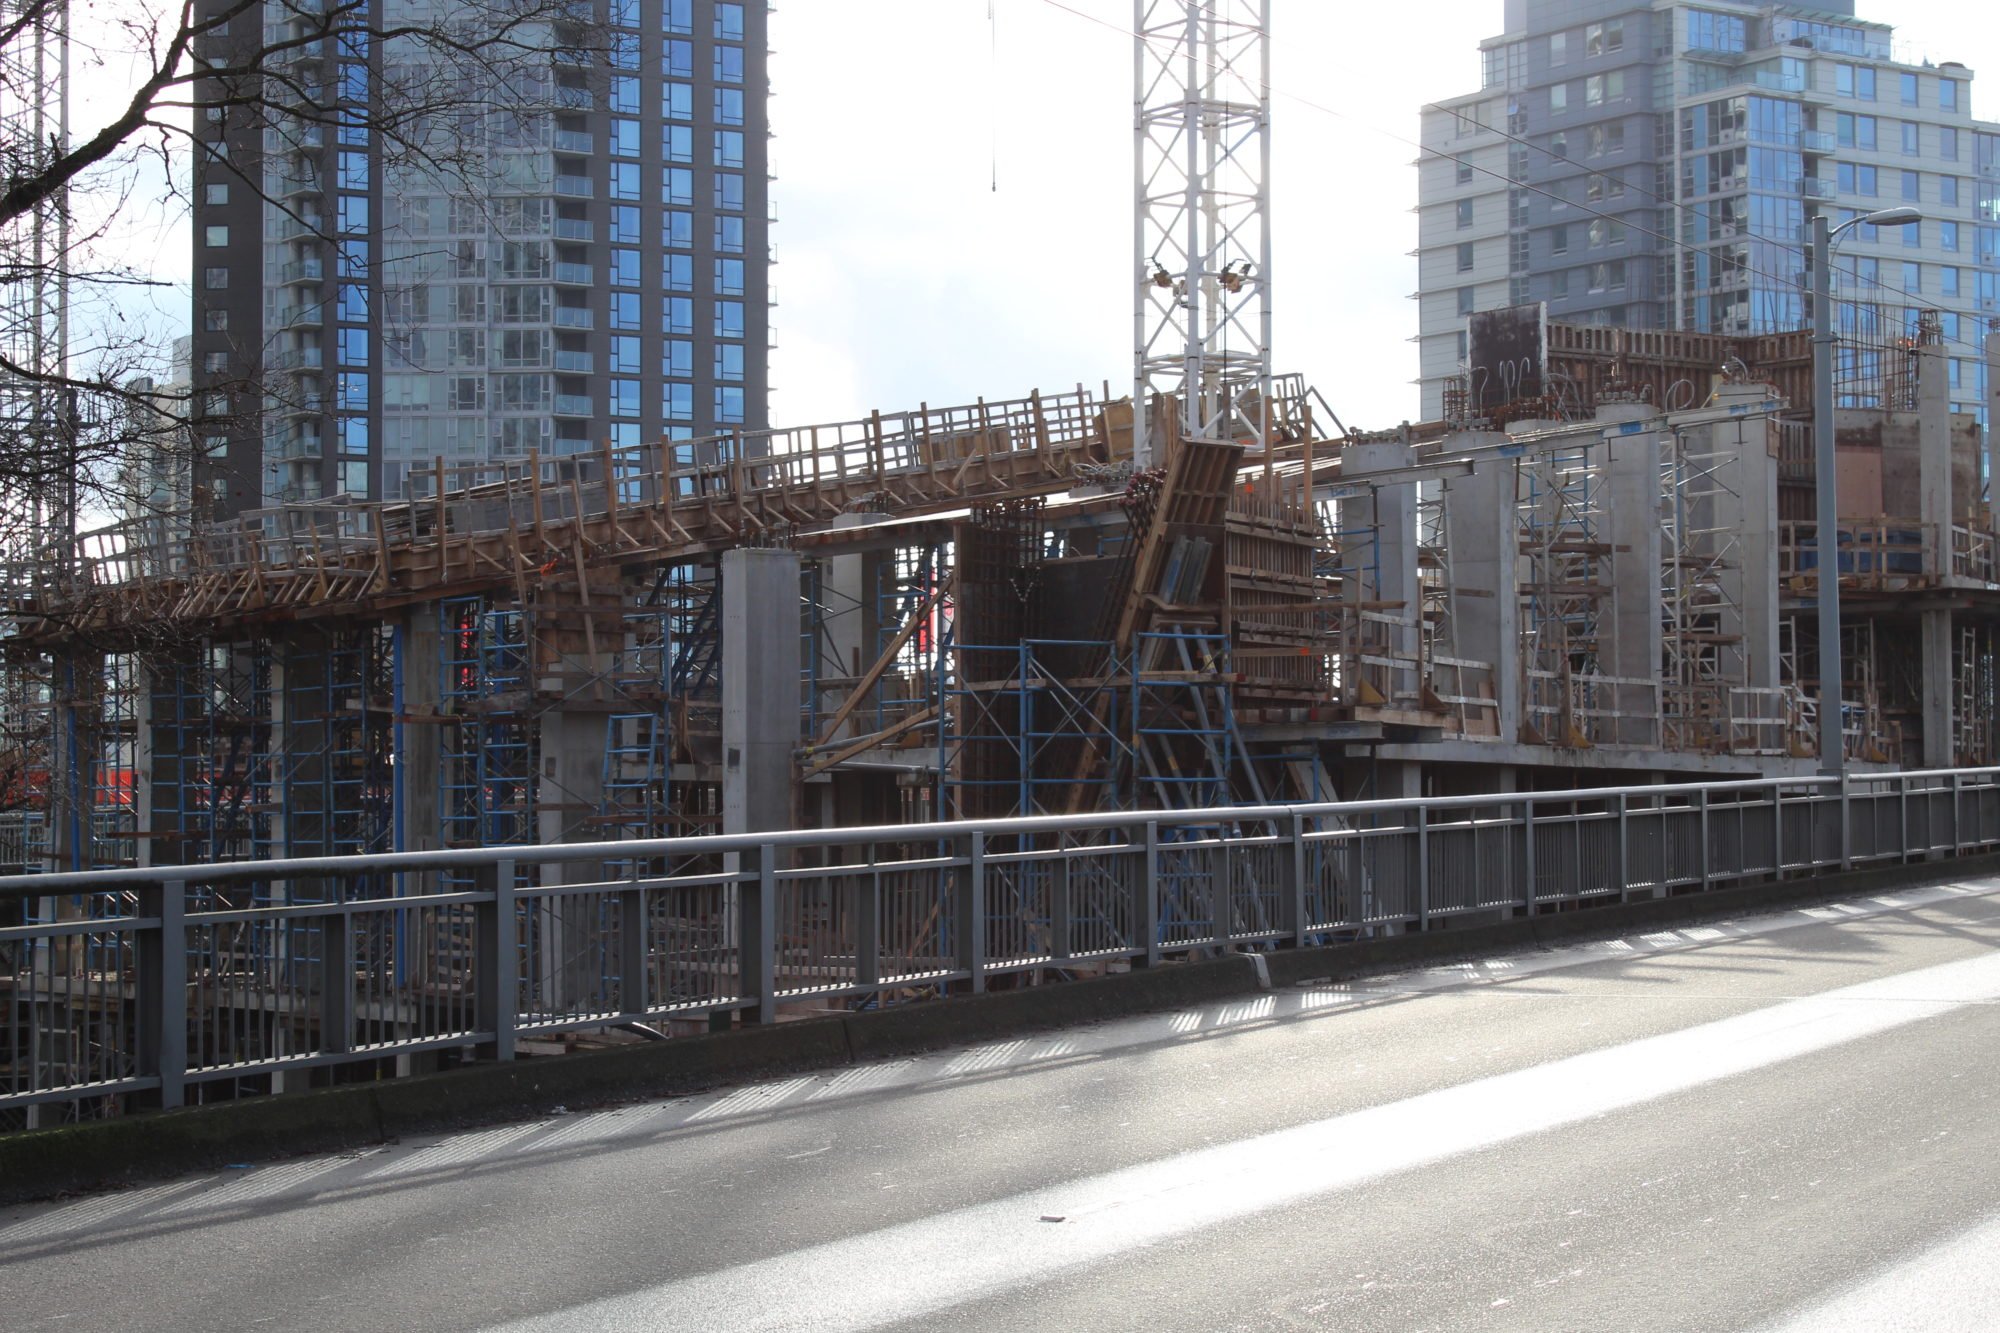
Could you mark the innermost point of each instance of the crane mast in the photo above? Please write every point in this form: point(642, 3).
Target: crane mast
point(1202, 268)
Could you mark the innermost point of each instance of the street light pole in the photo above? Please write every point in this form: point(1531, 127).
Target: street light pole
point(1832, 746)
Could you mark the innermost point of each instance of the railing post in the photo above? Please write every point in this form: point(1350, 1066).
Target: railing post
point(1706, 869)
point(1146, 913)
point(498, 964)
point(1777, 831)
point(1957, 836)
point(757, 932)
point(1846, 826)
point(868, 928)
point(162, 990)
point(1060, 931)
point(970, 911)
point(1296, 888)
point(1624, 852)
point(634, 984)
point(1221, 901)
point(1903, 816)
point(1423, 866)
point(336, 1018)
point(1528, 852)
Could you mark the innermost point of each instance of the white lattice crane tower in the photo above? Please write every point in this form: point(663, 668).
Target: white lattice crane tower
point(34, 267)
point(1203, 263)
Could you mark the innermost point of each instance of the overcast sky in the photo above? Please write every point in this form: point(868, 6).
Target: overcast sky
point(903, 277)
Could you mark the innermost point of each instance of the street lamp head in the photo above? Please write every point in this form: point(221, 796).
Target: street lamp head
point(1892, 217)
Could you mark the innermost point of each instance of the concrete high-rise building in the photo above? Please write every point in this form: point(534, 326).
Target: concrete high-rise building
point(1653, 165)
point(576, 256)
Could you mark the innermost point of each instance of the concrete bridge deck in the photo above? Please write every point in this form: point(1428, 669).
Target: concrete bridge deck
point(1780, 1121)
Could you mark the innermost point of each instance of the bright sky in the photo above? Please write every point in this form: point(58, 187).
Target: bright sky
point(903, 277)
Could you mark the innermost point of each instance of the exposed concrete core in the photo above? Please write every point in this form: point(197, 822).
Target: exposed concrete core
point(144, 817)
point(760, 690)
point(1486, 615)
point(1936, 513)
point(1935, 508)
point(1389, 572)
point(417, 641)
point(849, 620)
point(1992, 404)
point(1746, 512)
point(1633, 527)
point(1938, 747)
point(571, 745)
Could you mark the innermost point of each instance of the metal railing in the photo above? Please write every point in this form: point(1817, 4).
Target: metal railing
point(142, 987)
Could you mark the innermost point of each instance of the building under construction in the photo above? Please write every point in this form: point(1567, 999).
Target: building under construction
point(989, 610)
point(1598, 567)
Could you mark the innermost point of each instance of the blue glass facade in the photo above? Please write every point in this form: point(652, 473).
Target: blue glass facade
point(590, 266)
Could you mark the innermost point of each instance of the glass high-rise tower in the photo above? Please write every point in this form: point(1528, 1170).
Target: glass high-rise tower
point(569, 253)
point(1654, 165)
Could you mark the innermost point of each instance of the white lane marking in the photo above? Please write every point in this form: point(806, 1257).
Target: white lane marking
point(914, 1270)
point(1953, 1287)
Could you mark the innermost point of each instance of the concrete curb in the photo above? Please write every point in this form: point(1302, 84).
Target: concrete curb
point(39, 1164)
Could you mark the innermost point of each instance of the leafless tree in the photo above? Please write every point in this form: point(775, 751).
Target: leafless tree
point(201, 91)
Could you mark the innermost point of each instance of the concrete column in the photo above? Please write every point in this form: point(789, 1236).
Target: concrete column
point(1992, 412)
point(760, 688)
point(76, 710)
point(144, 756)
point(1633, 527)
point(1485, 556)
point(848, 618)
point(418, 748)
point(1934, 498)
point(1936, 645)
point(1390, 576)
point(1746, 515)
point(1935, 512)
point(570, 786)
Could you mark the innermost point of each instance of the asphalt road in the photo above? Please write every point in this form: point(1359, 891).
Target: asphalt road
point(1784, 1123)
